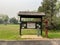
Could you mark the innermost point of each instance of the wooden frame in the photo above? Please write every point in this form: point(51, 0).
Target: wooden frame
point(30, 15)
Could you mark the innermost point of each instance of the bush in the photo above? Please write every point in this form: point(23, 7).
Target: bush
point(13, 20)
point(1, 21)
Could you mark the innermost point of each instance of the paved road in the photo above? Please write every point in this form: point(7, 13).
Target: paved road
point(31, 42)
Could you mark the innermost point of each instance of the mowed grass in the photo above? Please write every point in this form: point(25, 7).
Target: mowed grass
point(53, 34)
point(11, 32)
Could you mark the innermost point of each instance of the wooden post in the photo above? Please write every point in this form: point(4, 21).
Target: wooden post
point(46, 27)
point(20, 25)
point(41, 26)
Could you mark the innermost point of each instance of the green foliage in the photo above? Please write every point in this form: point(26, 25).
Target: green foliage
point(4, 18)
point(57, 20)
point(13, 20)
point(40, 9)
point(1, 21)
point(31, 19)
point(50, 8)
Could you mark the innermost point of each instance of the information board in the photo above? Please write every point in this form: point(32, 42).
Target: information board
point(31, 25)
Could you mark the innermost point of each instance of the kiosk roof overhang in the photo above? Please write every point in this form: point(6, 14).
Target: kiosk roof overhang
point(30, 14)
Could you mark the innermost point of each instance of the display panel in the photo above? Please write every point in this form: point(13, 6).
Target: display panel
point(31, 25)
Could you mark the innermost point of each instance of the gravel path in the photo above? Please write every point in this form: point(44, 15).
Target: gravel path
point(32, 40)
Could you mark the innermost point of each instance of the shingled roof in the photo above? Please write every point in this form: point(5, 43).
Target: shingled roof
point(23, 13)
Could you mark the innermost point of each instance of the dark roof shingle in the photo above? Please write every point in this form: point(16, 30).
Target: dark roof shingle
point(31, 13)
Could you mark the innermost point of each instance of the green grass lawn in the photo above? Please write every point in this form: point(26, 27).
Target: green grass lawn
point(54, 34)
point(11, 32)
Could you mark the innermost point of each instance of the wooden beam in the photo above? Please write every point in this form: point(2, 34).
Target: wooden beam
point(20, 25)
point(41, 26)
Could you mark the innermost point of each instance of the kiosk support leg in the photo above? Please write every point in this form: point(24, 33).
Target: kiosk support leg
point(20, 25)
point(41, 26)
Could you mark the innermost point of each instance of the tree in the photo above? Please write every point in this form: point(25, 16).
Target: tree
point(13, 20)
point(4, 18)
point(49, 8)
point(1, 21)
point(40, 9)
point(58, 8)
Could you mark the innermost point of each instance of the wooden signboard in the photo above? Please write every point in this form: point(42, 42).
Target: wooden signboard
point(31, 25)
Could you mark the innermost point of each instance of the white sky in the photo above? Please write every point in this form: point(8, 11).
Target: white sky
point(12, 7)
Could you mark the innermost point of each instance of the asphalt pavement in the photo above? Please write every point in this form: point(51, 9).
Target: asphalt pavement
point(32, 42)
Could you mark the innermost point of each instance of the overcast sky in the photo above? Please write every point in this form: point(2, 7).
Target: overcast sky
point(12, 7)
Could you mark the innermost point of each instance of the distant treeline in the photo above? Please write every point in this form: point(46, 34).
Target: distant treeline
point(4, 19)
